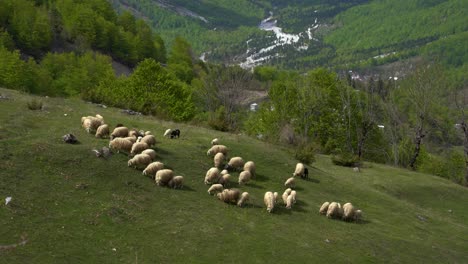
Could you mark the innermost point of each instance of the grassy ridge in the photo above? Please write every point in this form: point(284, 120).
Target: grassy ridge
point(406, 216)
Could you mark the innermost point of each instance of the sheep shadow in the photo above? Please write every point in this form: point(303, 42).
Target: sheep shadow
point(281, 210)
point(160, 151)
point(186, 188)
point(260, 178)
point(361, 222)
point(297, 188)
point(253, 185)
point(311, 180)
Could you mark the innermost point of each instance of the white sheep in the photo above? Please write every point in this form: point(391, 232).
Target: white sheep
point(163, 177)
point(244, 177)
point(334, 210)
point(218, 159)
point(285, 195)
point(269, 201)
point(243, 199)
point(149, 139)
point(131, 139)
point(289, 201)
point(167, 133)
point(224, 172)
point(275, 195)
point(357, 215)
point(121, 144)
point(250, 166)
point(91, 123)
point(139, 160)
point(216, 149)
point(299, 170)
point(150, 152)
point(294, 195)
point(229, 195)
point(324, 208)
point(350, 212)
point(224, 180)
point(133, 133)
point(152, 168)
point(177, 182)
point(215, 141)
point(138, 148)
point(212, 176)
point(147, 133)
point(290, 183)
point(235, 163)
point(119, 132)
point(102, 131)
point(215, 188)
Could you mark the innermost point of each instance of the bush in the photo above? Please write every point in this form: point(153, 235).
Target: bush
point(345, 159)
point(35, 104)
point(218, 121)
point(305, 154)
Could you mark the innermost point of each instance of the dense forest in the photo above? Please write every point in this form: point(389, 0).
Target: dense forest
point(67, 48)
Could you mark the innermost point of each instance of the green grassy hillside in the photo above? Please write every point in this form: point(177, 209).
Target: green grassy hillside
point(73, 207)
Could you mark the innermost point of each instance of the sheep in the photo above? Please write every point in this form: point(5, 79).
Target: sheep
point(218, 159)
point(275, 195)
point(285, 195)
point(152, 168)
point(324, 208)
point(224, 180)
point(216, 149)
point(138, 148)
point(119, 132)
point(244, 177)
point(290, 183)
point(121, 144)
point(149, 139)
point(150, 152)
point(177, 182)
point(163, 177)
point(350, 212)
point(234, 163)
point(91, 123)
point(269, 201)
point(299, 170)
point(224, 172)
point(98, 116)
point(293, 194)
point(250, 166)
point(133, 133)
point(147, 133)
point(306, 174)
point(167, 133)
point(229, 195)
point(131, 139)
point(357, 215)
point(139, 159)
point(212, 176)
point(334, 210)
point(215, 188)
point(244, 198)
point(215, 142)
point(289, 201)
point(102, 131)
point(175, 133)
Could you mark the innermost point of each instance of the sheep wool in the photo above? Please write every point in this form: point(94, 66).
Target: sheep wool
point(147, 133)
point(119, 132)
point(290, 183)
point(150, 152)
point(250, 166)
point(152, 168)
point(299, 170)
point(229, 195)
point(163, 177)
point(348, 212)
point(285, 195)
point(177, 182)
point(224, 180)
point(275, 195)
point(289, 202)
point(102, 131)
point(149, 139)
point(138, 148)
point(224, 172)
point(324, 208)
point(334, 210)
point(215, 188)
point(244, 177)
point(121, 144)
point(212, 176)
point(357, 215)
point(140, 160)
point(215, 141)
point(131, 139)
point(269, 201)
point(235, 163)
point(293, 194)
point(133, 133)
point(91, 124)
point(243, 199)
point(218, 159)
point(216, 149)
point(167, 133)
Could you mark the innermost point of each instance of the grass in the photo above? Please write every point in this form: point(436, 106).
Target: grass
point(75, 208)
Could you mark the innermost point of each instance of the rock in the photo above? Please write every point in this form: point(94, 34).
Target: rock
point(70, 139)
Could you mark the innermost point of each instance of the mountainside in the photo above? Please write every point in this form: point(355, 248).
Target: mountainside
point(304, 34)
point(67, 205)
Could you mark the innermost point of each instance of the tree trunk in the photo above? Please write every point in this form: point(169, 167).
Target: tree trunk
point(365, 132)
point(465, 144)
point(419, 136)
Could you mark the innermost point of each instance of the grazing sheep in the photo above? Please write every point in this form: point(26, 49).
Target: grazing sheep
point(215, 141)
point(244, 198)
point(149, 139)
point(139, 160)
point(269, 201)
point(168, 132)
point(224, 180)
point(350, 212)
point(290, 183)
point(150, 152)
point(356, 169)
point(250, 166)
point(177, 182)
point(163, 177)
point(218, 159)
point(212, 176)
point(119, 132)
point(293, 194)
point(131, 139)
point(334, 210)
point(275, 195)
point(98, 116)
point(299, 170)
point(285, 195)
point(133, 133)
point(235, 163)
point(175, 133)
point(229, 195)
point(289, 201)
point(215, 188)
point(224, 172)
point(91, 123)
point(121, 144)
point(216, 149)
point(357, 215)
point(152, 168)
point(147, 133)
point(102, 131)
point(324, 208)
point(244, 177)
point(138, 148)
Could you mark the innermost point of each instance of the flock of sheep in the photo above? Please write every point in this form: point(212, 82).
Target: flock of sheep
point(138, 144)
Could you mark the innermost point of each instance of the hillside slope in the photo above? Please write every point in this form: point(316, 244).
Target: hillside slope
point(71, 206)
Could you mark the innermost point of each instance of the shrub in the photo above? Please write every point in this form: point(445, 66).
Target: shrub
point(345, 159)
point(305, 153)
point(35, 104)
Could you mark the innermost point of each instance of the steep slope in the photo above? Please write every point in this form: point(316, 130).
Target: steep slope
point(70, 206)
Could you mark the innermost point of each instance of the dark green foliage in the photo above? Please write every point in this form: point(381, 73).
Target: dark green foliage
point(34, 104)
point(345, 159)
point(217, 120)
point(305, 153)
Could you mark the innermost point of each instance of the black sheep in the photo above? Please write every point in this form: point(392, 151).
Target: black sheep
point(306, 173)
point(175, 133)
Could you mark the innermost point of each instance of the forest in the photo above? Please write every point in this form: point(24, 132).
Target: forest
point(67, 49)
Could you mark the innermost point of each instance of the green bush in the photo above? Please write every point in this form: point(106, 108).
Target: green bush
point(35, 104)
point(217, 120)
point(345, 159)
point(305, 154)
